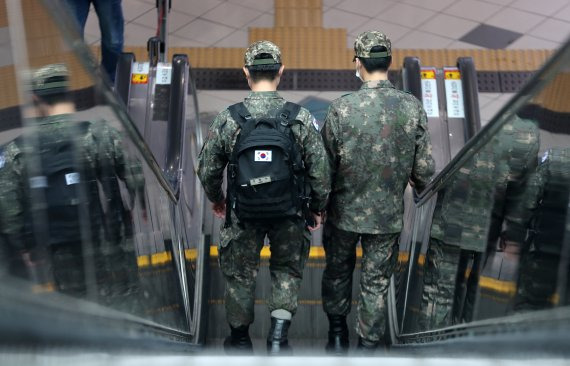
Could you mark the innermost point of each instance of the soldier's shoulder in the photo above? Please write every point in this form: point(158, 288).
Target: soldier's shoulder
point(304, 115)
point(224, 122)
point(9, 152)
point(407, 97)
point(346, 99)
point(525, 124)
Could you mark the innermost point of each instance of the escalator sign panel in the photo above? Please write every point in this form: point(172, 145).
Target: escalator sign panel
point(428, 74)
point(139, 79)
point(429, 93)
point(163, 73)
point(140, 73)
point(452, 74)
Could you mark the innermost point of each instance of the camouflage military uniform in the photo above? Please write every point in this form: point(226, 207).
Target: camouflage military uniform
point(469, 215)
point(101, 148)
point(545, 202)
point(241, 243)
point(376, 141)
point(25, 222)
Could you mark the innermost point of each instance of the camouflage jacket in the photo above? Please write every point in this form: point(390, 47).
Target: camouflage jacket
point(222, 136)
point(484, 193)
point(543, 206)
point(102, 153)
point(376, 140)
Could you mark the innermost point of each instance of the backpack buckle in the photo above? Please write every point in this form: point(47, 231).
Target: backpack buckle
point(232, 169)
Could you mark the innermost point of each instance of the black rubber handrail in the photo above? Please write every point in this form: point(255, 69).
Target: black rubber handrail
point(412, 76)
point(176, 120)
point(123, 76)
point(466, 67)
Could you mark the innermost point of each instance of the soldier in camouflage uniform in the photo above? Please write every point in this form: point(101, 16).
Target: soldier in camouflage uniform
point(241, 242)
point(34, 230)
point(377, 140)
point(542, 232)
point(468, 219)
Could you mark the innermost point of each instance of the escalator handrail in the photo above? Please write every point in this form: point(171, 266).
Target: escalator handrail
point(73, 39)
point(468, 73)
point(176, 120)
point(552, 66)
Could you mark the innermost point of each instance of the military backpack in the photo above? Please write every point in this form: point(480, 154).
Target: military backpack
point(62, 188)
point(265, 173)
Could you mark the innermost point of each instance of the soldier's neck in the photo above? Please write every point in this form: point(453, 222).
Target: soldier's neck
point(264, 86)
point(375, 76)
point(60, 108)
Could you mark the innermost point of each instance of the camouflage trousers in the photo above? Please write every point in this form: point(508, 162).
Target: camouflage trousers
point(440, 277)
point(451, 277)
point(378, 263)
point(537, 281)
point(239, 256)
point(68, 270)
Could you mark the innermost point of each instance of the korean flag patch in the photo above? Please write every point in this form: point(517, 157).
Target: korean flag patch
point(263, 155)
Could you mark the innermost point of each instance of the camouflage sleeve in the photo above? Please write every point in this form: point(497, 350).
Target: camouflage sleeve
point(112, 152)
point(523, 189)
point(523, 207)
point(424, 165)
point(212, 160)
point(316, 164)
point(330, 134)
point(12, 199)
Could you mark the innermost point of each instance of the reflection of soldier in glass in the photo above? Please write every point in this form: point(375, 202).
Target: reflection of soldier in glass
point(546, 201)
point(468, 219)
point(51, 209)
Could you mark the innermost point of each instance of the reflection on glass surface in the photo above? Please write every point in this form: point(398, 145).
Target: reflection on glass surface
point(499, 240)
point(84, 211)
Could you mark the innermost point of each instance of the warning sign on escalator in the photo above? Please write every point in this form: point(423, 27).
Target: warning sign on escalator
point(140, 73)
point(429, 92)
point(453, 93)
point(163, 73)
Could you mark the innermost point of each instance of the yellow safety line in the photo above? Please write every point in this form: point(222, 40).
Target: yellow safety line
point(191, 255)
point(505, 287)
point(143, 261)
point(314, 252)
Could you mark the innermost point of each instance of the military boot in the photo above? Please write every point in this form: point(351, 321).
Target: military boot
point(338, 335)
point(277, 343)
point(239, 341)
point(366, 347)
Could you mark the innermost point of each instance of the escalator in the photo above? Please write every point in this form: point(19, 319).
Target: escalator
point(501, 224)
point(171, 298)
point(144, 286)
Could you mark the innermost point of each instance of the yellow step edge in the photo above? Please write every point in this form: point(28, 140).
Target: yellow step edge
point(192, 254)
point(504, 287)
point(314, 252)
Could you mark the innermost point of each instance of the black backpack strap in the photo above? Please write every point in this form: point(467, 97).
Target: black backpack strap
point(289, 112)
point(241, 115)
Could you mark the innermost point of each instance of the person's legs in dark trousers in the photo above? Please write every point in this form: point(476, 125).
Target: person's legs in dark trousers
point(79, 9)
point(111, 23)
point(340, 253)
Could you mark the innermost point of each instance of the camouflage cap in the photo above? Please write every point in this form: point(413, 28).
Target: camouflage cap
point(366, 40)
point(259, 47)
point(50, 79)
